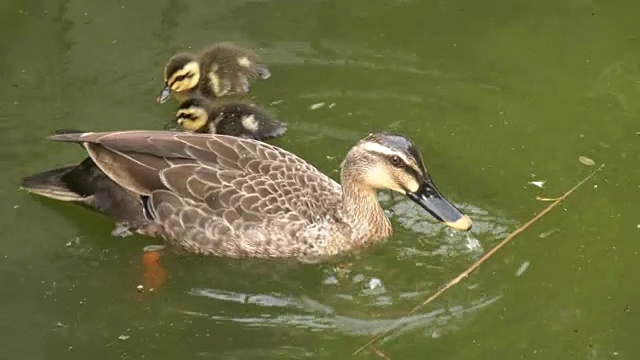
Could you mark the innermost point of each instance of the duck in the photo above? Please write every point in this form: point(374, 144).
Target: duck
point(223, 69)
point(234, 197)
point(201, 115)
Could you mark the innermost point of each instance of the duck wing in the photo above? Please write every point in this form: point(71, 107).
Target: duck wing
point(204, 186)
point(248, 120)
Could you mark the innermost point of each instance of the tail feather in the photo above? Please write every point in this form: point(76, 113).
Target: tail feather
point(86, 185)
point(50, 184)
point(276, 131)
point(66, 135)
point(263, 72)
point(68, 131)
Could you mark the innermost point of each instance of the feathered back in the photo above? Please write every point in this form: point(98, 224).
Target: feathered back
point(208, 190)
point(228, 69)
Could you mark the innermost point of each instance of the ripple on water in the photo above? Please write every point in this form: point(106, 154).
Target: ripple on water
point(372, 293)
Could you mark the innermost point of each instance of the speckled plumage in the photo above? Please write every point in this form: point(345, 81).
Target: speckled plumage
point(227, 196)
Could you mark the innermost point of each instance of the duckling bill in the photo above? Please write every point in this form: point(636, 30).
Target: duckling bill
point(228, 196)
point(200, 115)
point(224, 69)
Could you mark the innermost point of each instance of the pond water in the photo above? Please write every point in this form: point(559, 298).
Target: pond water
point(496, 94)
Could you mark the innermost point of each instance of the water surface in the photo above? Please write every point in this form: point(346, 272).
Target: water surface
point(495, 93)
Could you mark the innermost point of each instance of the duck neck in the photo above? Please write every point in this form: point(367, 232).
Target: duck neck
point(363, 213)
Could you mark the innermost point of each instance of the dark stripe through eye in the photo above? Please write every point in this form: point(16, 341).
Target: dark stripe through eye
point(187, 116)
point(182, 77)
point(397, 161)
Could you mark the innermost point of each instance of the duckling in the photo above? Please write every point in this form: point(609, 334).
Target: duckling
point(228, 196)
point(224, 69)
point(200, 115)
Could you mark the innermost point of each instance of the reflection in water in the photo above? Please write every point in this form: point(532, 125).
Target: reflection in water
point(358, 299)
point(317, 316)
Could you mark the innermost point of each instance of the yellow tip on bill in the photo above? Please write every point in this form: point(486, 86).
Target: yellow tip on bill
point(464, 223)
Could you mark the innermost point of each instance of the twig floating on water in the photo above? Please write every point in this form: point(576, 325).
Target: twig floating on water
point(482, 259)
point(380, 353)
point(540, 198)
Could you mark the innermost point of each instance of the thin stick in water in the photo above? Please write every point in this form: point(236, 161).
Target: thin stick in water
point(483, 258)
point(380, 353)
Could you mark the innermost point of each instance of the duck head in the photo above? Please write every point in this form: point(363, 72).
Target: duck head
point(181, 73)
point(391, 161)
point(192, 115)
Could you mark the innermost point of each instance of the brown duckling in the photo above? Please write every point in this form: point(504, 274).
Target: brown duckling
point(224, 69)
point(200, 115)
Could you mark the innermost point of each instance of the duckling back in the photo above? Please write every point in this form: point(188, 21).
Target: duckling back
point(227, 117)
point(229, 70)
point(246, 120)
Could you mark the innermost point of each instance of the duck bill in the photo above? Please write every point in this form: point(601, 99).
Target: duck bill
point(164, 95)
point(431, 200)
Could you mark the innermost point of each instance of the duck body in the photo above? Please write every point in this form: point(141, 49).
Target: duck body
point(233, 197)
point(222, 70)
point(200, 115)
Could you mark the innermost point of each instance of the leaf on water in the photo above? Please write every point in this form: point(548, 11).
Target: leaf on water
point(539, 184)
point(547, 233)
point(586, 161)
point(316, 105)
point(522, 268)
point(153, 248)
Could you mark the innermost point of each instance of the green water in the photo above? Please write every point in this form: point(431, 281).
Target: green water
point(495, 93)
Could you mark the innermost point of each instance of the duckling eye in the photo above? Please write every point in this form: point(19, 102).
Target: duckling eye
point(396, 161)
point(181, 77)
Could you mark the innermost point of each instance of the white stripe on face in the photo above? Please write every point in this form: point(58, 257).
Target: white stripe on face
point(381, 149)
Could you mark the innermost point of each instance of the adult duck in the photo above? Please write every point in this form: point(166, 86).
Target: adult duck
point(233, 197)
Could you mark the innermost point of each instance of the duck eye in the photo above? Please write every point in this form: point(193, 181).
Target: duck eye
point(181, 77)
point(396, 161)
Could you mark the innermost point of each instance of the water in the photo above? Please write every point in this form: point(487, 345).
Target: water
point(496, 94)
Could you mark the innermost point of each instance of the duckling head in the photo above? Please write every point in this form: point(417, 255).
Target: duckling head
point(181, 73)
point(193, 115)
point(391, 161)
